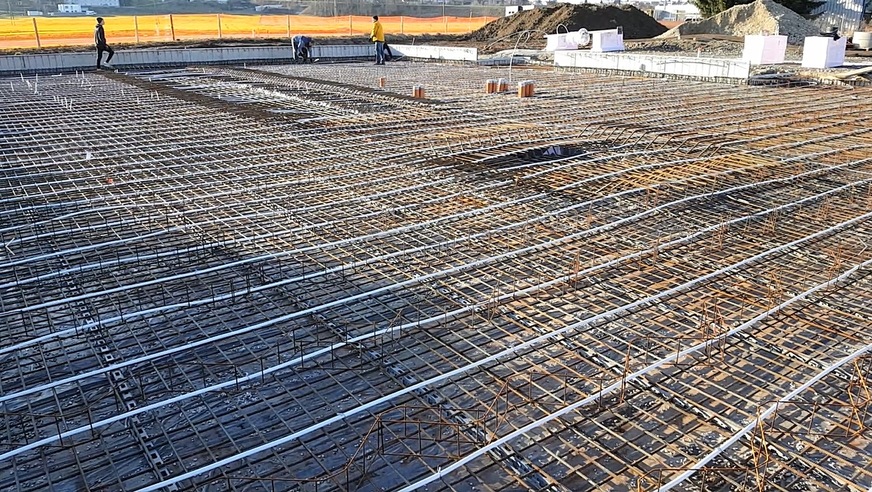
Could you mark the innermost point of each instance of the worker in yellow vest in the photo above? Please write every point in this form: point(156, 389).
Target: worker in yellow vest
point(378, 37)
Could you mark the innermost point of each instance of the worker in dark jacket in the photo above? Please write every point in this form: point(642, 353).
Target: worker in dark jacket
point(302, 48)
point(100, 42)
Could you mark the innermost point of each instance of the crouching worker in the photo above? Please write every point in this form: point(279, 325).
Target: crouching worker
point(302, 48)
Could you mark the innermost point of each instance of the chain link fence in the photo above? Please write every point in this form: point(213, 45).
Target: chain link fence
point(37, 32)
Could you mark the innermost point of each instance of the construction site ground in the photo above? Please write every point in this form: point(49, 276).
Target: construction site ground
point(288, 277)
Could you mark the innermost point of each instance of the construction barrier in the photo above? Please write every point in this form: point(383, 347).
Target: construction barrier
point(35, 32)
point(437, 52)
point(684, 66)
point(169, 57)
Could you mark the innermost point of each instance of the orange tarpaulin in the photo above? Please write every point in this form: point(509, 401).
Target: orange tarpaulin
point(26, 32)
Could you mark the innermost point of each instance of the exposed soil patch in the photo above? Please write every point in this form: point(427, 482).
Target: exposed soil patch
point(636, 24)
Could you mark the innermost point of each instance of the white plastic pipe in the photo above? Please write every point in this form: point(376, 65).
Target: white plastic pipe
point(445, 470)
point(222, 164)
point(417, 280)
point(466, 459)
point(368, 294)
point(720, 448)
point(442, 318)
point(285, 183)
point(407, 228)
point(371, 236)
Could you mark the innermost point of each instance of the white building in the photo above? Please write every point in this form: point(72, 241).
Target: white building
point(581, 2)
point(677, 12)
point(100, 3)
point(69, 8)
point(518, 8)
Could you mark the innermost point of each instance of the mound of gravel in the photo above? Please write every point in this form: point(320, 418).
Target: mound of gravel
point(636, 24)
point(751, 18)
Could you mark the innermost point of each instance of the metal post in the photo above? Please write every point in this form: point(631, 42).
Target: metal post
point(350, 26)
point(57, 422)
point(172, 29)
point(218, 17)
point(90, 421)
point(136, 37)
point(289, 25)
point(36, 33)
point(402, 17)
point(444, 18)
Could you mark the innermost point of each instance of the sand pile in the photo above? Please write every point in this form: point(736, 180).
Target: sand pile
point(636, 24)
point(752, 18)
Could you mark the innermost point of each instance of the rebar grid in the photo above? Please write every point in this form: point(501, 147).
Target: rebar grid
point(330, 286)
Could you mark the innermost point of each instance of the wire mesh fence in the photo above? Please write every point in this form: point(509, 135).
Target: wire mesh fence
point(36, 32)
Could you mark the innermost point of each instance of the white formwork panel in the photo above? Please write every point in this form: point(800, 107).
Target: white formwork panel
point(165, 57)
point(764, 50)
point(343, 51)
point(452, 53)
point(607, 40)
point(671, 65)
point(823, 52)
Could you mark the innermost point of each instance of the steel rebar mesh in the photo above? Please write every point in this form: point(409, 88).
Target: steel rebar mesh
point(333, 286)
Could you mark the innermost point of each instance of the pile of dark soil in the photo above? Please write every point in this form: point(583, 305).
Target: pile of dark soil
point(636, 24)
